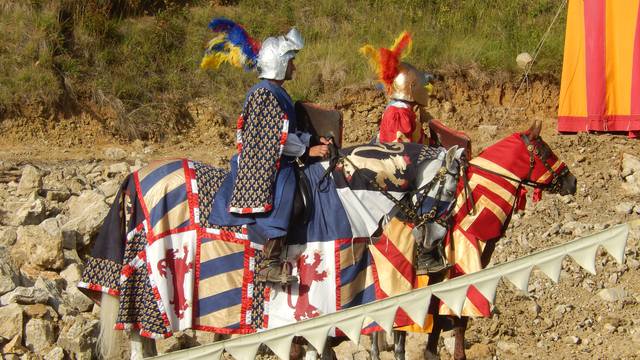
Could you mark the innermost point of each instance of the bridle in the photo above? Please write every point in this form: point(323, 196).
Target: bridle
point(413, 213)
point(533, 148)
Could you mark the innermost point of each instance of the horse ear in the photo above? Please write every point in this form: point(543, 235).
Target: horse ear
point(534, 131)
point(451, 155)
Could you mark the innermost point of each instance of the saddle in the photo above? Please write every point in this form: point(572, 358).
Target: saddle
point(446, 137)
point(319, 122)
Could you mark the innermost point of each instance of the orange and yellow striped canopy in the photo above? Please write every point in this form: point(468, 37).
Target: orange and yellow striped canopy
point(600, 88)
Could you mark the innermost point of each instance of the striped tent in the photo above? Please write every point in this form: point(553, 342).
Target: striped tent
point(600, 88)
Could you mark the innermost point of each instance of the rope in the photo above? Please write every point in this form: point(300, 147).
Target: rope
point(525, 78)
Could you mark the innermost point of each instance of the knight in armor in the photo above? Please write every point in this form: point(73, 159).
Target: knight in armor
point(404, 118)
point(260, 189)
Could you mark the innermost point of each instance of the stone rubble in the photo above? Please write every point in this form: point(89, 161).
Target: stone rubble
point(51, 213)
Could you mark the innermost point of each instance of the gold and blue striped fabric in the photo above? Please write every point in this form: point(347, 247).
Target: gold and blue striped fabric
point(356, 275)
point(220, 285)
point(162, 186)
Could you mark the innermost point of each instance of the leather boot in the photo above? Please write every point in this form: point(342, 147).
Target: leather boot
point(272, 269)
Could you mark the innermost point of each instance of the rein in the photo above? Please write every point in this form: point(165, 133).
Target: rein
point(533, 151)
point(411, 213)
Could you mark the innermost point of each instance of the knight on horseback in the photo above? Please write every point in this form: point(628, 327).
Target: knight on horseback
point(260, 190)
point(404, 120)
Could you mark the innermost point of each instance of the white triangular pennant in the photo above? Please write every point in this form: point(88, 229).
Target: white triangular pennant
point(241, 350)
point(520, 278)
point(615, 246)
point(280, 346)
point(212, 355)
point(454, 297)
point(417, 306)
point(207, 352)
point(552, 268)
point(488, 287)
point(352, 327)
point(384, 317)
point(317, 336)
point(586, 257)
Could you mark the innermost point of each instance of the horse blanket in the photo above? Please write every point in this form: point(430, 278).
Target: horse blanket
point(173, 270)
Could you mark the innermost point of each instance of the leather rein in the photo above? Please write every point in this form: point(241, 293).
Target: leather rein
point(412, 213)
point(534, 151)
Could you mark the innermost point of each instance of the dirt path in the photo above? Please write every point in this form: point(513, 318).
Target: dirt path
point(555, 321)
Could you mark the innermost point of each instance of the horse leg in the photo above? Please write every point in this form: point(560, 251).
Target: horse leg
point(431, 352)
point(297, 349)
point(375, 349)
point(399, 338)
point(108, 313)
point(459, 328)
point(142, 347)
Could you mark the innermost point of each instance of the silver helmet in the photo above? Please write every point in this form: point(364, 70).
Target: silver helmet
point(275, 54)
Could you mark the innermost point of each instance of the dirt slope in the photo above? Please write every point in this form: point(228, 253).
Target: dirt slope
point(555, 321)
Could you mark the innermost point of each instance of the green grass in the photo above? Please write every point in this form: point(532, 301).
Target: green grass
point(146, 52)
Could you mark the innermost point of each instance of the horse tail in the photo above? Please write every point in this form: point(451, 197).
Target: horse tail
point(108, 313)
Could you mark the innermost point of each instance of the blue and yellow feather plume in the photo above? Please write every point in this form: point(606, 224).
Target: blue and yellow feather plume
point(232, 45)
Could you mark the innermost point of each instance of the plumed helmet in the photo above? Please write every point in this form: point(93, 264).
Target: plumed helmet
point(401, 80)
point(410, 85)
point(276, 53)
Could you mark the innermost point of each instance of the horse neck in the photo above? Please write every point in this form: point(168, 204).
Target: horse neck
point(494, 196)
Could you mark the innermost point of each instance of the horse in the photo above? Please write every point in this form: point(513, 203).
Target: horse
point(489, 191)
point(159, 266)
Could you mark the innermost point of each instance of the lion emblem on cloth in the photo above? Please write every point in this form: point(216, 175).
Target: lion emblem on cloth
point(388, 162)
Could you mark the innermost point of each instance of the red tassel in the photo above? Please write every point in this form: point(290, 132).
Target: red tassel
point(521, 204)
point(537, 195)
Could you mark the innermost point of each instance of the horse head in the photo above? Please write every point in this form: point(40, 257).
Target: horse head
point(546, 172)
point(525, 159)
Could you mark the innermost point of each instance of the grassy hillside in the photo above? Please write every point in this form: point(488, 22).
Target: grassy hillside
point(141, 56)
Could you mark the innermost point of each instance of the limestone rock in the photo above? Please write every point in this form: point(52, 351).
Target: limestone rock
point(40, 311)
point(30, 181)
point(60, 195)
point(57, 353)
point(72, 274)
point(508, 347)
point(36, 246)
point(109, 188)
point(24, 295)
point(86, 212)
point(479, 351)
point(39, 335)
point(13, 321)
point(630, 165)
point(624, 208)
point(29, 274)
point(78, 335)
point(9, 278)
point(8, 236)
point(612, 294)
point(52, 226)
point(77, 300)
point(118, 169)
point(54, 288)
point(31, 213)
point(115, 153)
point(14, 347)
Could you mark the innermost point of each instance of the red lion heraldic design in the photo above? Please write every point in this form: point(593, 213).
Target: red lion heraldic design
point(307, 273)
point(179, 268)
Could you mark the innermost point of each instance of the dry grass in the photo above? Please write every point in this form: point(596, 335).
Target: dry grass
point(145, 53)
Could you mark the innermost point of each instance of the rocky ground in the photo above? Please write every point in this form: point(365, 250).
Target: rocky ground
point(57, 179)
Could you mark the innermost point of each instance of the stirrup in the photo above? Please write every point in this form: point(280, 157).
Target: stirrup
point(277, 274)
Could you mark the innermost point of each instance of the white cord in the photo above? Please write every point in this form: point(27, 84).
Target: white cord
point(525, 78)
